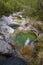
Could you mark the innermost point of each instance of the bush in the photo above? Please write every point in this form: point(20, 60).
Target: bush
point(32, 8)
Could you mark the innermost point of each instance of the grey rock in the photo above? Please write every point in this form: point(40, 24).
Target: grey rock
point(7, 20)
point(13, 61)
point(5, 47)
point(6, 29)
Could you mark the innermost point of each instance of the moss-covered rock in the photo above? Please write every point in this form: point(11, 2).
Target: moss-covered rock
point(21, 37)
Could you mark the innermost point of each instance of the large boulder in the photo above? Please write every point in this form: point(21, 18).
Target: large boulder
point(5, 47)
point(6, 42)
point(6, 29)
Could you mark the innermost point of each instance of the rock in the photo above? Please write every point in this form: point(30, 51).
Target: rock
point(5, 38)
point(13, 61)
point(17, 14)
point(23, 22)
point(20, 28)
point(33, 44)
point(38, 25)
point(5, 47)
point(25, 51)
point(28, 27)
point(7, 20)
point(6, 29)
point(6, 42)
point(5, 32)
point(40, 54)
point(40, 37)
point(1, 37)
point(2, 22)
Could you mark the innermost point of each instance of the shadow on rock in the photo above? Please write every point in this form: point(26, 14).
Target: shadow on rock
point(13, 61)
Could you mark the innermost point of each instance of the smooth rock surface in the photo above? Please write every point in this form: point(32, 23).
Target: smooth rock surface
point(5, 47)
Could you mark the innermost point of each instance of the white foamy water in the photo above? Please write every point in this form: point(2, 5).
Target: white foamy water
point(27, 41)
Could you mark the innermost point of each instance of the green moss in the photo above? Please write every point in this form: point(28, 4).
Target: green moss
point(22, 37)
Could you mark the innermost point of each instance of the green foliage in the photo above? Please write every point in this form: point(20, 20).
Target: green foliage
point(22, 37)
point(40, 9)
point(30, 7)
point(9, 6)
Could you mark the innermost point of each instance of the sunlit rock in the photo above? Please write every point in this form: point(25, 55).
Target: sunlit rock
point(17, 14)
point(1, 37)
point(23, 21)
point(5, 47)
point(20, 28)
point(6, 29)
point(5, 40)
point(7, 20)
point(28, 27)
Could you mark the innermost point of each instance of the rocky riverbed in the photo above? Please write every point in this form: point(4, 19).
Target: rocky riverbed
point(21, 37)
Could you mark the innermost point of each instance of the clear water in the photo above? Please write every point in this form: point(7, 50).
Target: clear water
point(22, 37)
point(14, 26)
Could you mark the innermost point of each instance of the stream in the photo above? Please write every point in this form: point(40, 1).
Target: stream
point(16, 35)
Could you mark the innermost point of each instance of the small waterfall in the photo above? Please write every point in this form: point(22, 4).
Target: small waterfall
point(27, 41)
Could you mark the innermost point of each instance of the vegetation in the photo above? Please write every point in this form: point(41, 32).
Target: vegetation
point(29, 7)
point(32, 9)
